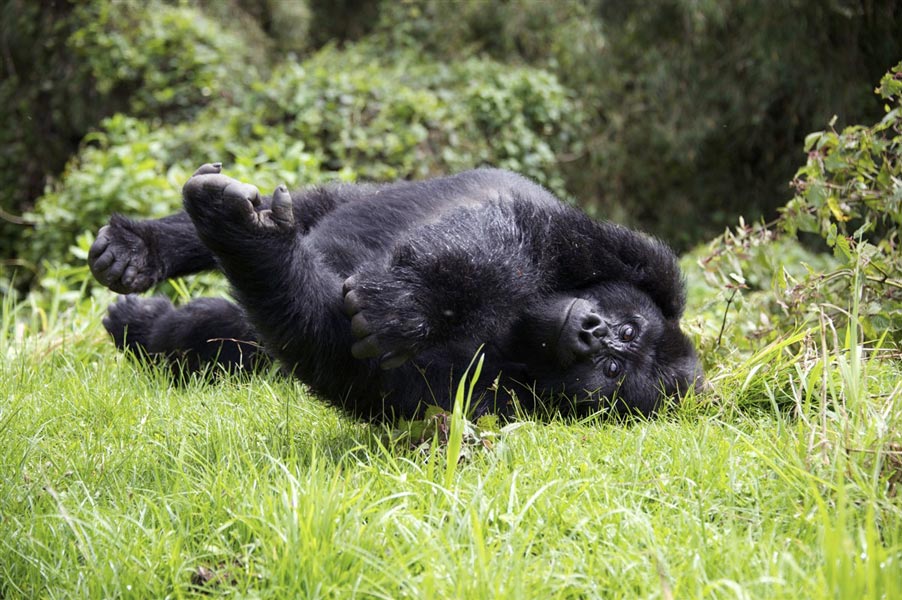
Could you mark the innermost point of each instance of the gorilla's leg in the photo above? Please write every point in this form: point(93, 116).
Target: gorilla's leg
point(196, 336)
point(292, 298)
point(130, 256)
point(254, 242)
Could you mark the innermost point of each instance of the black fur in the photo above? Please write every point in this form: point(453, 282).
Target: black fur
point(378, 297)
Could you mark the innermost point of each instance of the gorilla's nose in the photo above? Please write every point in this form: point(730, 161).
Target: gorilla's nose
point(592, 333)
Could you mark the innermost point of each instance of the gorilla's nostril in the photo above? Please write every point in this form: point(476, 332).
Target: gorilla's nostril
point(591, 321)
point(586, 338)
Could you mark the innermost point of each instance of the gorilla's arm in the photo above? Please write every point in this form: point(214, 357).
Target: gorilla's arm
point(471, 278)
point(465, 279)
point(576, 251)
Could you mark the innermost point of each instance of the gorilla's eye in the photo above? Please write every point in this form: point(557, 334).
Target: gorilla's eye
point(611, 368)
point(627, 333)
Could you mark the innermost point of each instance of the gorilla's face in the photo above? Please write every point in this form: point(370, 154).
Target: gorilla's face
point(606, 345)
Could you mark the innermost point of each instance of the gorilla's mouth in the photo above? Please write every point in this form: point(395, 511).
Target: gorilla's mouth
point(559, 338)
point(567, 328)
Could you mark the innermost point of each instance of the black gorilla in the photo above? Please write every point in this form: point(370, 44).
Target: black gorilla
point(378, 296)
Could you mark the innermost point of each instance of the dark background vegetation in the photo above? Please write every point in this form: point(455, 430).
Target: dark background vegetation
point(676, 116)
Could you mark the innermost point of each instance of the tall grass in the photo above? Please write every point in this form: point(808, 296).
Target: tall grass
point(462, 398)
point(114, 482)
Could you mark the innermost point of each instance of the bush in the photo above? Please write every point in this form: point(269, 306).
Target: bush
point(170, 61)
point(135, 169)
point(696, 107)
point(46, 106)
point(339, 115)
point(410, 118)
point(849, 195)
point(68, 65)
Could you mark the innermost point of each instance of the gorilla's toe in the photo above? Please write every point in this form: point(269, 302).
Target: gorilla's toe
point(280, 215)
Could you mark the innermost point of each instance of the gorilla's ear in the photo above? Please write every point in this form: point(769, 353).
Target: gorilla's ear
point(678, 366)
point(685, 374)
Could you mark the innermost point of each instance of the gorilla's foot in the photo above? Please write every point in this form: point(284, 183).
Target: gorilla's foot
point(391, 350)
point(131, 319)
point(124, 257)
point(214, 200)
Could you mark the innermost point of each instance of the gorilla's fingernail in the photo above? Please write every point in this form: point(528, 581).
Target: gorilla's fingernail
point(208, 169)
point(349, 284)
point(392, 360)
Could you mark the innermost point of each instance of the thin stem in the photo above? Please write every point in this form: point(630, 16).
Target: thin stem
point(723, 323)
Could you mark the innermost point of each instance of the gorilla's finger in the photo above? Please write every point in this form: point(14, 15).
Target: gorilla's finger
point(100, 243)
point(241, 194)
point(102, 262)
point(352, 303)
point(368, 347)
point(349, 284)
point(129, 276)
point(116, 270)
point(360, 327)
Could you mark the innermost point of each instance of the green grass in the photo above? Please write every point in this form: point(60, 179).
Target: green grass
point(781, 482)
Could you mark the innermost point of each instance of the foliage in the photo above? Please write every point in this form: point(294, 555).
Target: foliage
point(410, 119)
point(68, 65)
point(698, 107)
point(277, 29)
point(562, 34)
point(849, 195)
point(339, 115)
point(736, 285)
point(136, 169)
point(169, 60)
point(46, 105)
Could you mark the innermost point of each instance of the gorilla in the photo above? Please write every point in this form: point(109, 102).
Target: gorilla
point(377, 297)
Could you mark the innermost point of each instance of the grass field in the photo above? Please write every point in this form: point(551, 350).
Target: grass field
point(782, 482)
